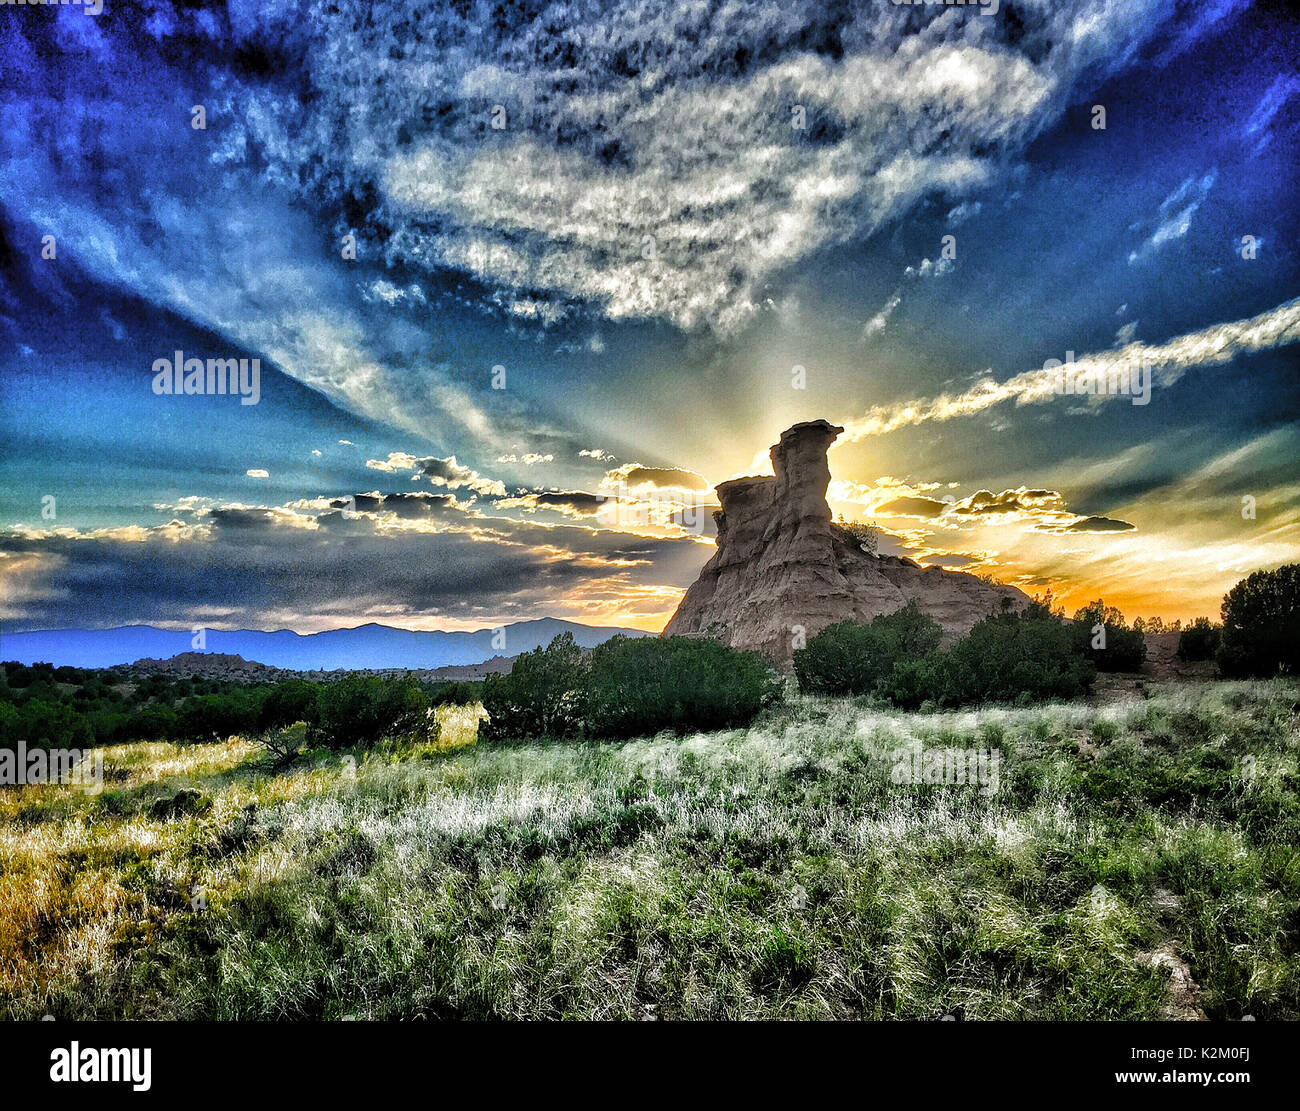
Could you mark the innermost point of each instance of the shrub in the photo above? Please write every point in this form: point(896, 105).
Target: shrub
point(638, 686)
point(855, 658)
point(363, 710)
point(188, 800)
point(1200, 640)
point(153, 723)
point(1120, 648)
point(207, 717)
point(540, 697)
point(44, 724)
point(1009, 657)
point(1025, 656)
point(1261, 624)
point(461, 692)
point(287, 702)
point(865, 537)
point(916, 681)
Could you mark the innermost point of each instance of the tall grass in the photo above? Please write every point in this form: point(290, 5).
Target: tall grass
point(775, 871)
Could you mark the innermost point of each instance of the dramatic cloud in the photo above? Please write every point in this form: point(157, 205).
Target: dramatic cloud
point(913, 507)
point(401, 558)
point(677, 159)
point(1095, 524)
point(651, 160)
point(569, 503)
point(642, 213)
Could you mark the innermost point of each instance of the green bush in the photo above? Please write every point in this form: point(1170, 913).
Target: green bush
point(460, 692)
point(916, 681)
point(214, 717)
point(153, 723)
point(639, 686)
point(542, 696)
point(1009, 657)
point(44, 724)
point(855, 658)
point(1017, 657)
point(1200, 640)
point(285, 742)
point(1121, 648)
point(1261, 624)
point(363, 710)
point(286, 702)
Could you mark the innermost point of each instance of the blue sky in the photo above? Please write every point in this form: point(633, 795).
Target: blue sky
point(681, 206)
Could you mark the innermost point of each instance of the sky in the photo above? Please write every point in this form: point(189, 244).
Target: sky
point(524, 281)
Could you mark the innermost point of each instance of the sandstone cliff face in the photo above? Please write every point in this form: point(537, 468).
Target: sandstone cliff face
point(781, 563)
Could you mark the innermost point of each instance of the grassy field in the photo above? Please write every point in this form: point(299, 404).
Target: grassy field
point(1138, 860)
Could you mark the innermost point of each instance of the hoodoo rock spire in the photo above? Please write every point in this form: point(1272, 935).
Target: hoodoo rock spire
point(784, 570)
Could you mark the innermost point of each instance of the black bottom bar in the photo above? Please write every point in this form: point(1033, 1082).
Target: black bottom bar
point(1160, 1061)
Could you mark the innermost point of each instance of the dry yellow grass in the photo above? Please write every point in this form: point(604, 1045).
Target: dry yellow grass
point(79, 879)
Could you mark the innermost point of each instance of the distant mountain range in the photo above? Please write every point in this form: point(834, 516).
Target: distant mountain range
point(365, 647)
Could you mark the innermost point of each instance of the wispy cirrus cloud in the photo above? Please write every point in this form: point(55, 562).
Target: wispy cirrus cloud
point(1215, 346)
point(1175, 216)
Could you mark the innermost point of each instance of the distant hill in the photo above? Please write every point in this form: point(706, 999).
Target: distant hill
point(219, 665)
point(363, 648)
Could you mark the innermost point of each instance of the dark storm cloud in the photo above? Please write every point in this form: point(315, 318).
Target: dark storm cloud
point(672, 478)
point(1096, 524)
point(247, 564)
point(413, 506)
point(913, 507)
point(570, 503)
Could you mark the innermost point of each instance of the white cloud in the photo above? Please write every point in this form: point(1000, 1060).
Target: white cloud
point(877, 323)
point(396, 461)
point(1126, 333)
point(1259, 126)
point(924, 269)
point(1216, 345)
point(531, 459)
point(440, 472)
point(654, 127)
point(1175, 216)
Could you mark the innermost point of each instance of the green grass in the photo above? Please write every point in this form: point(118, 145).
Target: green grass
point(774, 872)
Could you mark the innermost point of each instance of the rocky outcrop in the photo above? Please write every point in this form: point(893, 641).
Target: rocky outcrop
point(783, 565)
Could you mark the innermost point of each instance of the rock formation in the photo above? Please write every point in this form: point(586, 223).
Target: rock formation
point(782, 563)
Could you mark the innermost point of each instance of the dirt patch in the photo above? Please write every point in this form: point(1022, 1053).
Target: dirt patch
point(1162, 666)
point(1184, 1002)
